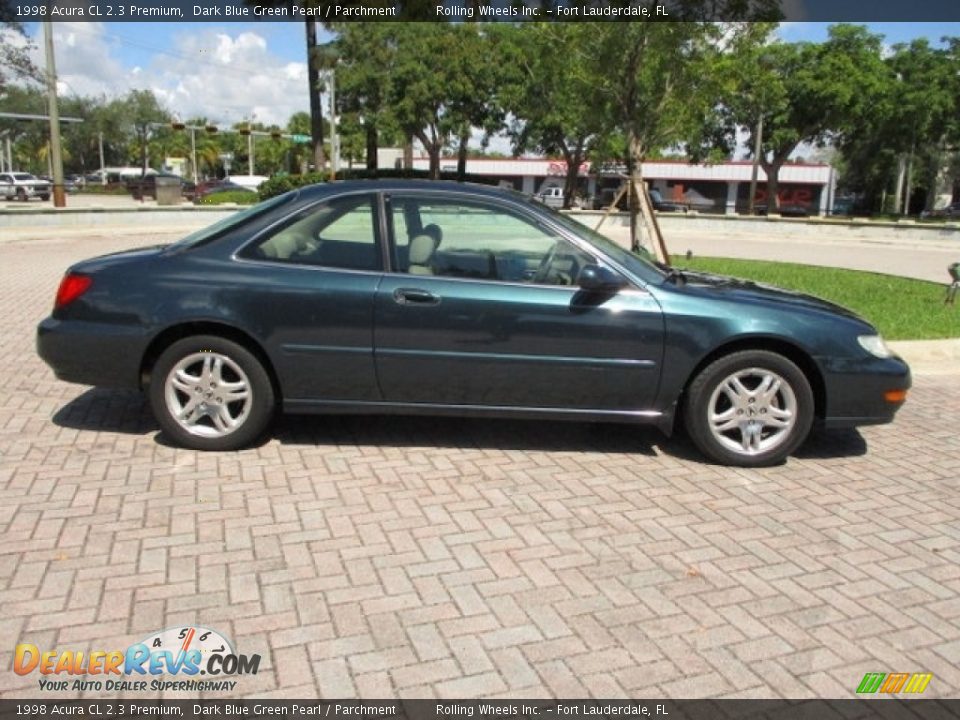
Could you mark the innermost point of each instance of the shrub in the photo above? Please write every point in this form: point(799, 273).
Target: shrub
point(240, 197)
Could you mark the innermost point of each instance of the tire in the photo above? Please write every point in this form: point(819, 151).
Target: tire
point(749, 409)
point(44, 197)
point(22, 195)
point(185, 381)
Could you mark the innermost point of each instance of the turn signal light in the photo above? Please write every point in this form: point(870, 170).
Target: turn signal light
point(71, 287)
point(895, 396)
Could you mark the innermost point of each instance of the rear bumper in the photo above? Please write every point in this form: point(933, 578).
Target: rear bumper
point(92, 353)
point(855, 391)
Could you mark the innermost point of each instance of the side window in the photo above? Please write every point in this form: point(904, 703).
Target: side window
point(340, 233)
point(459, 238)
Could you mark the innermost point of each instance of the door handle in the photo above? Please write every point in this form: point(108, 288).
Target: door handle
point(414, 296)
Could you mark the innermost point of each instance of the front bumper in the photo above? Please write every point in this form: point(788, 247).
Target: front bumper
point(92, 353)
point(856, 390)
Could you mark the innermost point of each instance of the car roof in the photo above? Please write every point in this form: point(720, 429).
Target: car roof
point(396, 184)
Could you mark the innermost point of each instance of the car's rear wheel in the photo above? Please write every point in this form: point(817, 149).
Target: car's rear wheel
point(751, 408)
point(44, 197)
point(209, 393)
point(21, 194)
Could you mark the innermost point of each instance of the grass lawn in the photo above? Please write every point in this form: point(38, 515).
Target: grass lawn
point(902, 309)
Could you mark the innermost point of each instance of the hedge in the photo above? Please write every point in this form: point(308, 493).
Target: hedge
point(240, 197)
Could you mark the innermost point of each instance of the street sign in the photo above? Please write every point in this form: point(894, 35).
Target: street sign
point(300, 138)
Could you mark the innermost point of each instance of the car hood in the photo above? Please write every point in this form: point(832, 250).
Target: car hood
point(748, 290)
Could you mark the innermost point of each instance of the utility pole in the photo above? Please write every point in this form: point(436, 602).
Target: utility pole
point(193, 152)
point(334, 130)
point(250, 154)
point(757, 148)
point(103, 165)
point(59, 196)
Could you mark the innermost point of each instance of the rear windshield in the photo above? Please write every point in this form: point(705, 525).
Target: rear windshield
point(228, 223)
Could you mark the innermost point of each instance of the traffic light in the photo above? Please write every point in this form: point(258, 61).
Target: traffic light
point(178, 125)
point(244, 131)
point(212, 129)
point(276, 134)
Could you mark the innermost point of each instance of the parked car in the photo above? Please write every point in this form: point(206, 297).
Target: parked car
point(797, 211)
point(449, 299)
point(605, 197)
point(146, 186)
point(950, 211)
point(551, 197)
point(23, 186)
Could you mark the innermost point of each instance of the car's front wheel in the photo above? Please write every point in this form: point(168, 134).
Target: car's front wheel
point(209, 393)
point(751, 408)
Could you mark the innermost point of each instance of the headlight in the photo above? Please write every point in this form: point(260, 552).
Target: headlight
point(875, 345)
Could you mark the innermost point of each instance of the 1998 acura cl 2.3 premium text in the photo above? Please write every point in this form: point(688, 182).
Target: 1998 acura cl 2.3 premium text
point(441, 298)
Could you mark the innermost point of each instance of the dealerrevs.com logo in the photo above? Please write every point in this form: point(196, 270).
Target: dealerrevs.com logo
point(186, 653)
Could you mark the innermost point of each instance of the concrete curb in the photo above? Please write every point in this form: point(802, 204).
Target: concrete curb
point(930, 357)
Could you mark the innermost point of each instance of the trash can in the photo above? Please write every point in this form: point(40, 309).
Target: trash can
point(168, 190)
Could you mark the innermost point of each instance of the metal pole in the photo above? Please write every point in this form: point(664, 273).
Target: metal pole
point(334, 130)
point(193, 152)
point(757, 148)
point(9, 155)
point(59, 196)
point(250, 153)
point(103, 174)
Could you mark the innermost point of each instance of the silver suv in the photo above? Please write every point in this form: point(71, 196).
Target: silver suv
point(23, 186)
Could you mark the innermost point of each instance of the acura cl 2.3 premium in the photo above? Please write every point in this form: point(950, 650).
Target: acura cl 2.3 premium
point(443, 298)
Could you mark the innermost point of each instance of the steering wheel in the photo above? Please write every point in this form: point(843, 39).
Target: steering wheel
point(543, 272)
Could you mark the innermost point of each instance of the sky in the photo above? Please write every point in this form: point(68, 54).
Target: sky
point(228, 73)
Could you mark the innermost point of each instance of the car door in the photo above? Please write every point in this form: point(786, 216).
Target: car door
point(482, 308)
point(308, 289)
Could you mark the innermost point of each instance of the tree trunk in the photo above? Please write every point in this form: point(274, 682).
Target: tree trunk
point(408, 153)
point(574, 158)
point(434, 152)
point(462, 156)
point(635, 152)
point(772, 169)
point(372, 146)
point(313, 81)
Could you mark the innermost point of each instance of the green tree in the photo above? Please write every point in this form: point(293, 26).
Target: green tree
point(808, 93)
point(141, 114)
point(658, 83)
point(911, 125)
point(441, 77)
point(15, 60)
point(364, 51)
point(555, 92)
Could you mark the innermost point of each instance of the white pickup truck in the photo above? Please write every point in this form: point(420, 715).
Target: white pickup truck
point(23, 186)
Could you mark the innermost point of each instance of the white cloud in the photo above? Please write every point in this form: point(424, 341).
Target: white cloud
point(221, 76)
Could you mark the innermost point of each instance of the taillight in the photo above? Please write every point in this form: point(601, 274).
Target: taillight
point(71, 287)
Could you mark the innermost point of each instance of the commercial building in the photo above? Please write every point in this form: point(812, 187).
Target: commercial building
point(719, 188)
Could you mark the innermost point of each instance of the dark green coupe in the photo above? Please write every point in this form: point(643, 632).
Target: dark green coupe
point(442, 298)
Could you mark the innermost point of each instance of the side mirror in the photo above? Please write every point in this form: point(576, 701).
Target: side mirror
point(596, 278)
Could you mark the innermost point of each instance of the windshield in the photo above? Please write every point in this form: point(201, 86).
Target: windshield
point(640, 263)
point(23, 176)
point(231, 221)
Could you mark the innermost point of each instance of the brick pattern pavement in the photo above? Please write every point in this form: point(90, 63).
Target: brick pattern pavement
point(381, 557)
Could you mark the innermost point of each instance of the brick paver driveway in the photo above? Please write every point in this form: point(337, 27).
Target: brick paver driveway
point(389, 556)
